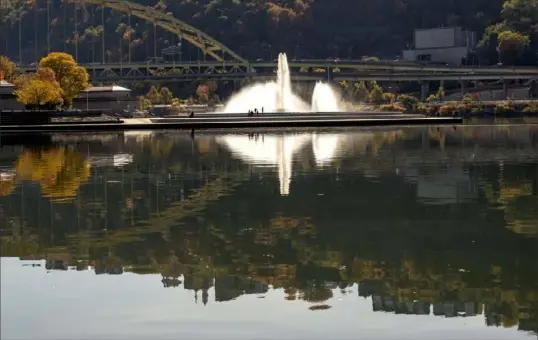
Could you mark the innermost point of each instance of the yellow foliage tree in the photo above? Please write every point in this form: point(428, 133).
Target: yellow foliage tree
point(7, 68)
point(59, 171)
point(71, 77)
point(39, 93)
point(38, 89)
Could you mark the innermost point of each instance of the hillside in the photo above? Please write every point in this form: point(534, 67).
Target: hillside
point(260, 29)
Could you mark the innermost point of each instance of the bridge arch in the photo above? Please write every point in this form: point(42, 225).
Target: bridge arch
point(171, 24)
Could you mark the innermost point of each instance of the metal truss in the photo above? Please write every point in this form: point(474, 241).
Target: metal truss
point(204, 42)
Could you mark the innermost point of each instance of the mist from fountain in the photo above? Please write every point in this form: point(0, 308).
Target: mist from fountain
point(277, 96)
point(324, 99)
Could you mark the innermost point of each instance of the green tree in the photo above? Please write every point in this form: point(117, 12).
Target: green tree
point(361, 92)
point(511, 46)
point(376, 94)
point(202, 94)
point(154, 96)
point(440, 93)
point(166, 96)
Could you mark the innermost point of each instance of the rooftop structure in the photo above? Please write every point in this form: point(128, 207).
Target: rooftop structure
point(100, 92)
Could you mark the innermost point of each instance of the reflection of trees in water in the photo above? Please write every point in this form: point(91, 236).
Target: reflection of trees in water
point(7, 186)
point(60, 171)
point(308, 244)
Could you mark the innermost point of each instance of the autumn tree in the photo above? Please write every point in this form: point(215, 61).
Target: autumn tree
point(38, 90)
point(71, 77)
point(7, 68)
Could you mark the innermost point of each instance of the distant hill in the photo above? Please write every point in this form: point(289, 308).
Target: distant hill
point(259, 29)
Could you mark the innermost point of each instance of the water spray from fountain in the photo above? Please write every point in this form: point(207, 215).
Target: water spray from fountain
point(324, 99)
point(277, 96)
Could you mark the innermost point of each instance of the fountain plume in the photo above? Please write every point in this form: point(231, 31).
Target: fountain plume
point(277, 96)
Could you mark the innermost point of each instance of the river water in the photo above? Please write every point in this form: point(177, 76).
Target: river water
point(385, 233)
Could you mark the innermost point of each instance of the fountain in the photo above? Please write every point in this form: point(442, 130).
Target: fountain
point(277, 96)
point(324, 99)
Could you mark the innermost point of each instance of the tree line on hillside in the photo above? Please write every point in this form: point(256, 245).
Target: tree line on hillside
point(255, 28)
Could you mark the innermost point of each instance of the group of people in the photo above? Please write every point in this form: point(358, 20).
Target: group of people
point(254, 112)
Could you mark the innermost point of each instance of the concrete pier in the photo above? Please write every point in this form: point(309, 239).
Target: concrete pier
point(241, 120)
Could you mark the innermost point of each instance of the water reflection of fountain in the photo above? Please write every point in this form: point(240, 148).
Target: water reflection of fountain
point(280, 151)
point(325, 148)
point(277, 96)
point(268, 151)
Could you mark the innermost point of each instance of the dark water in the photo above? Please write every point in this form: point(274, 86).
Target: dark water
point(403, 233)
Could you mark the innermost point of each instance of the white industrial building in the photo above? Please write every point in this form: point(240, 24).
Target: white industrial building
point(450, 45)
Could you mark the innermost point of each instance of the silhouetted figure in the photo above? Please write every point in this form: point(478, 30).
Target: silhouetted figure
point(256, 112)
point(262, 109)
point(192, 134)
point(192, 114)
point(250, 113)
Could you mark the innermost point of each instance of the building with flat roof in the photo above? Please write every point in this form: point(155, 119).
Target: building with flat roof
point(109, 98)
point(449, 45)
point(8, 101)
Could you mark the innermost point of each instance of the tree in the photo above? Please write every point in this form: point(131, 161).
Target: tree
point(408, 101)
point(92, 34)
point(166, 96)
point(144, 103)
point(7, 68)
point(511, 46)
point(71, 77)
point(39, 93)
point(202, 93)
point(440, 93)
point(154, 96)
point(376, 94)
point(361, 92)
point(38, 90)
